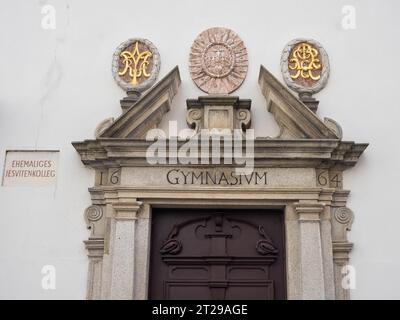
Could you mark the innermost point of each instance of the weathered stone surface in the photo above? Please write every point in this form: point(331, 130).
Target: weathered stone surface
point(146, 113)
point(294, 118)
point(218, 61)
point(221, 177)
point(303, 174)
point(216, 112)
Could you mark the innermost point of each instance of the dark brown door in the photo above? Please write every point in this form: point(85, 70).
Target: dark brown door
point(217, 255)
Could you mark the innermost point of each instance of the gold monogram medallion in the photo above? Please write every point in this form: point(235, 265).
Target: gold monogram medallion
point(136, 64)
point(305, 66)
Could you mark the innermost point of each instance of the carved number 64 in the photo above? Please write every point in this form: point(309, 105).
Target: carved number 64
point(322, 180)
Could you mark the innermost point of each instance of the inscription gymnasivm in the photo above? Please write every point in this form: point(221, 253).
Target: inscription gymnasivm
point(217, 176)
point(178, 176)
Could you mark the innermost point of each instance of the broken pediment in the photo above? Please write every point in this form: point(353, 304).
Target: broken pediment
point(147, 112)
point(304, 140)
point(294, 118)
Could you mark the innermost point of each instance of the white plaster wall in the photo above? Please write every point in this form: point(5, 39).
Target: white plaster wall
point(56, 86)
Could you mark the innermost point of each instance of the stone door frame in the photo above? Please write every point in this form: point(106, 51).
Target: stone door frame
point(127, 186)
point(123, 271)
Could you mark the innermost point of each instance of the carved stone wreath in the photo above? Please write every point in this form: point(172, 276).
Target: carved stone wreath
point(323, 74)
point(218, 61)
point(152, 65)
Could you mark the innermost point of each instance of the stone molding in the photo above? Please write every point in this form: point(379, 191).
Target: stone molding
point(341, 251)
point(309, 212)
point(95, 247)
point(126, 210)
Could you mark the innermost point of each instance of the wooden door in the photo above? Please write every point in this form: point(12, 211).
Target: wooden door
point(217, 254)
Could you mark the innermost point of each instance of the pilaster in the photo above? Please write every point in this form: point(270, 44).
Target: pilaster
point(122, 249)
point(311, 256)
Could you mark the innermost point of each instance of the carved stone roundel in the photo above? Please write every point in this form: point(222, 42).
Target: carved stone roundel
point(218, 61)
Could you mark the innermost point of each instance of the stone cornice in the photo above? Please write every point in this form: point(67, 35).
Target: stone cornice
point(106, 152)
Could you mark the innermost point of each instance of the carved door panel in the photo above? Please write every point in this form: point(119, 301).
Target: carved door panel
point(217, 255)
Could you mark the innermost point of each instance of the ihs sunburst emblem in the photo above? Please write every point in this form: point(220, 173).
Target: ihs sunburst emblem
point(218, 61)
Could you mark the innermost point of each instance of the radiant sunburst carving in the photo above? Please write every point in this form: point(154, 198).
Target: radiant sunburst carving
point(218, 61)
